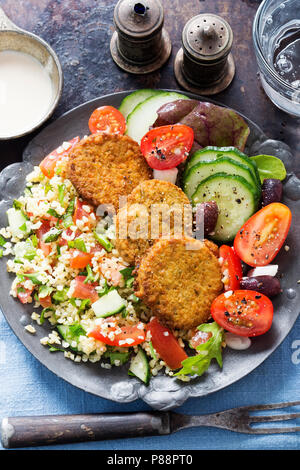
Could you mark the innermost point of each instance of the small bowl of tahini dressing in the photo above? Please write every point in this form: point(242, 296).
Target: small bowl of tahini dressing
point(31, 80)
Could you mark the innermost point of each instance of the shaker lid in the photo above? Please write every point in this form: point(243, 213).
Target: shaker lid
point(138, 19)
point(207, 37)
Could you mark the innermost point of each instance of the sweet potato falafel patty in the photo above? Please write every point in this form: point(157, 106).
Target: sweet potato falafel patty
point(103, 167)
point(154, 208)
point(178, 279)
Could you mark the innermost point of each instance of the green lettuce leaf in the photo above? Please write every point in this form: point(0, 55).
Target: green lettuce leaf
point(269, 167)
point(212, 349)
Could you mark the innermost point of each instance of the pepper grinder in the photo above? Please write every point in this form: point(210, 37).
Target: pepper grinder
point(204, 64)
point(140, 44)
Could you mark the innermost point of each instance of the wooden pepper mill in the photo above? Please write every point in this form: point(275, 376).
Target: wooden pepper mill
point(140, 44)
point(204, 64)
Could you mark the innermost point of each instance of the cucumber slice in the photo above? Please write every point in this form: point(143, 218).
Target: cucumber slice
point(236, 201)
point(139, 367)
point(202, 170)
point(131, 101)
point(67, 333)
point(145, 113)
point(17, 223)
point(209, 154)
point(109, 304)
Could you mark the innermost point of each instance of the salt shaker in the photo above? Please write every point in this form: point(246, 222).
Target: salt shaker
point(205, 64)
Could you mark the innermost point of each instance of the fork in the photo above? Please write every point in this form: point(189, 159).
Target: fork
point(60, 429)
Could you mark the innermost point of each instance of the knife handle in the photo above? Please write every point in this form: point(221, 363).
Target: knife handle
point(25, 431)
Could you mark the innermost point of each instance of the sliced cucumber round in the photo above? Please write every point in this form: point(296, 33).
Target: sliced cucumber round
point(202, 170)
point(209, 154)
point(236, 201)
point(131, 101)
point(145, 113)
point(139, 367)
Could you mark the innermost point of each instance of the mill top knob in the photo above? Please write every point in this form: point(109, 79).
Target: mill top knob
point(140, 44)
point(138, 19)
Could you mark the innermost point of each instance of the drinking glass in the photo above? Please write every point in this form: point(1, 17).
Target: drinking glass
point(276, 37)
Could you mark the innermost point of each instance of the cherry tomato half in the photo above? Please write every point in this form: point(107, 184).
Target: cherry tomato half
point(244, 312)
point(166, 344)
point(261, 237)
point(107, 119)
point(231, 268)
point(166, 147)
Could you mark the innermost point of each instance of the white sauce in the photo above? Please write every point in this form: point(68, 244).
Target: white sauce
point(26, 92)
point(237, 342)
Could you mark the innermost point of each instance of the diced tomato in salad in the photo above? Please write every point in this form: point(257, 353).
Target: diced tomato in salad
point(166, 344)
point(49, 163)
point(24, 295)
point(45, 301)
point(79, 259)
point(80, 212)
point(44, 228)
point(85, 291)
point(68, 232)
point(124, 336)
point(199, 337)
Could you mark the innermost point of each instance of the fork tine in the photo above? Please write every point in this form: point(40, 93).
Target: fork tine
point(274, 430)
point(258, 419)
point(273, 406)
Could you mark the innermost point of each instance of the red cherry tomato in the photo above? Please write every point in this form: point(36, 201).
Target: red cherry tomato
point(49, 163)
point(261, 237)
point(125, 336)
point(107, 119)
point(85, 291)
point(166, 344)
point(166, 147)
point(231, 268)
point(244, 312)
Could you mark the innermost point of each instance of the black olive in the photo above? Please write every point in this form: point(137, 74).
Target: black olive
point(271, 191)
point(267, 285)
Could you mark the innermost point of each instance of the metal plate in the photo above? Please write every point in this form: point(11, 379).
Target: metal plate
point(163, 392)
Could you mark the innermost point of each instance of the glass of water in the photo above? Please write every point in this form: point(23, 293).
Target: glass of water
point(276, 36)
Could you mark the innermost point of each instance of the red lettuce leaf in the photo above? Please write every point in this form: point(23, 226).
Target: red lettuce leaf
point(212, 124)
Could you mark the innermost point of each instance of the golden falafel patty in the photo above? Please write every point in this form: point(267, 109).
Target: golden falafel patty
point(103, 167)
point(178, 279)
point(154, 209)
